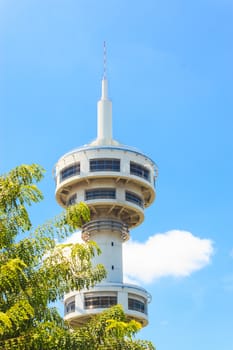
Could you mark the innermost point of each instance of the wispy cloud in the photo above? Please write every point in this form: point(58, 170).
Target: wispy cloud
point(74, 238)
point(174, 253)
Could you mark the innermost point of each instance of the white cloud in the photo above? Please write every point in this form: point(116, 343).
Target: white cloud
point(74, 238)
point(174, 253)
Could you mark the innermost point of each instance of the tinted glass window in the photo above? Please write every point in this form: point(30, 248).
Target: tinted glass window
point(105, 164)
point(72, 200)
point(70, 307)
point(139, 170)
point(70, 171)
point(99, 302)
point(100, 193)
point(134, 198)
point(137, 305)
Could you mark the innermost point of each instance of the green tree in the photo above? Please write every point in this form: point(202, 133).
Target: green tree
point(111, 330)
point(35, 272)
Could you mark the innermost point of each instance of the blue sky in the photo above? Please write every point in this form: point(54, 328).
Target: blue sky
point(171, 82)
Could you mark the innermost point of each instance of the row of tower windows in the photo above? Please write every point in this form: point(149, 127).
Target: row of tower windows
point(99, 302)
point(137, 305)
point(70, 307)
point(70, 171)
point(105, 164)
point(100, 193)
point(133, 198)
point(139, 170)
point(105, 301)
point(72, 199)
point(107, 193)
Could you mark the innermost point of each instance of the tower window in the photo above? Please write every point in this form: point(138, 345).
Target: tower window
point(137, 305)
point(97, 302)
point(112, 267)
point(72, 200)
point(133, 198)
point(70, 307)
point(70, 171)
point(100, 193)
point(105, 164)
point(139, 170)
point(112, 244)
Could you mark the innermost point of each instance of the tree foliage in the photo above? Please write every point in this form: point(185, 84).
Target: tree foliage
point(111, 330)
point(35, 271)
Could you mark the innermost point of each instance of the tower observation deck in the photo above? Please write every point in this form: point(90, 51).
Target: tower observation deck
point(117, 183)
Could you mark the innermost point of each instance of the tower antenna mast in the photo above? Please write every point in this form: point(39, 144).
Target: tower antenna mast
point(105, 61)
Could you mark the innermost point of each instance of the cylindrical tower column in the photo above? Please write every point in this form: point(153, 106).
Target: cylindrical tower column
point(109, 235)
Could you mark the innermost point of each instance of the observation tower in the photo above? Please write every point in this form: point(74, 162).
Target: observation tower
point(117, 183)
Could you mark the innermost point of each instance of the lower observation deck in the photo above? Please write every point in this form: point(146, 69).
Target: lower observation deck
point(81, 306)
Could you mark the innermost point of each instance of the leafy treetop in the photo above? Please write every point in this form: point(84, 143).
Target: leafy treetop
point(35, 271)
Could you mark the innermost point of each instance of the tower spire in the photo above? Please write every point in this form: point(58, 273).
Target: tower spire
point(104, 90)
point(104, 109)
point(105, 62)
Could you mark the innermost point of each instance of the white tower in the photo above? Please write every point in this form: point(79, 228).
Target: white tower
point(117, 182)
